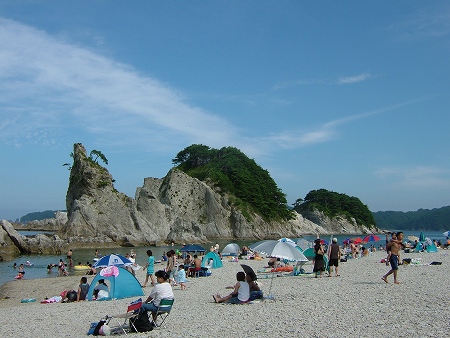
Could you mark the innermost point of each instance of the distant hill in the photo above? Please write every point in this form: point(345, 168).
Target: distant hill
point(333, 204)
point(38, 216)
point(422, 219)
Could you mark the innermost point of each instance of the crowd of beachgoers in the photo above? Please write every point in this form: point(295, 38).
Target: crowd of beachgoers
point(358, 300)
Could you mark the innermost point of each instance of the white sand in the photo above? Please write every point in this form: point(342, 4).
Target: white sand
point(357, 304)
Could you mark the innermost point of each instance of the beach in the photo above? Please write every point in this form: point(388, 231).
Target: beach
point(358, 303)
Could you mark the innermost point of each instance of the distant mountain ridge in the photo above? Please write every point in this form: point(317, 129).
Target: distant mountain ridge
point(437, 219)
point(38, 216)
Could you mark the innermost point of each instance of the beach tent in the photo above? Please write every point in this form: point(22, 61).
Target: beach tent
point(419, 247)
point(231, 249)
point(309, 253)
point(123, 285)
point(431, 248)
point(216, 261)
point(422, 237)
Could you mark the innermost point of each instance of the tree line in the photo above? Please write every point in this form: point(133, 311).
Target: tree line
point(437, 219)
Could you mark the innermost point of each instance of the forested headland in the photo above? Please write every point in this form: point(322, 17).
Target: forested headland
point(423, 219)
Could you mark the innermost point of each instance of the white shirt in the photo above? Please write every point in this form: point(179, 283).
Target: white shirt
point(244, 291)
point(161, 291)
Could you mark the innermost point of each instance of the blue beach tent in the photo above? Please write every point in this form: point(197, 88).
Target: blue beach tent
point(123, 286)
point(431, 248)
point(216, 261)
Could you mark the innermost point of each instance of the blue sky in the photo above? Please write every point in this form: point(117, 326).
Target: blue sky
point(350, 96)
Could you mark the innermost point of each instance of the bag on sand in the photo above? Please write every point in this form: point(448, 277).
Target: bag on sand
point(72, 295)
point(98, 327)
point(141, 323)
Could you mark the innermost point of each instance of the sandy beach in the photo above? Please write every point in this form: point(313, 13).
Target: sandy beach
point(358, 303)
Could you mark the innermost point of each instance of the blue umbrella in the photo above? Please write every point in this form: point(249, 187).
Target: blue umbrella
point(112, 260)
point(192, 248)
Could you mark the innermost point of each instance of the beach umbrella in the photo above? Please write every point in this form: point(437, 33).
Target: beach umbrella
point(278, 249)
point(357, 240)
point(287, 241)
point(347, 241)
point(371, 238)
point(193, 248)
point(112, 260)
point(249, 271)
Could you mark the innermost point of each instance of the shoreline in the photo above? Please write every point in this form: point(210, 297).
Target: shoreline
point(357, 303)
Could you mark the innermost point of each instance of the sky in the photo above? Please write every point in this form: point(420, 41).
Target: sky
point(348, 96)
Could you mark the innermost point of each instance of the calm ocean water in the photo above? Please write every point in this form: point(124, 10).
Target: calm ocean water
point(40, 262)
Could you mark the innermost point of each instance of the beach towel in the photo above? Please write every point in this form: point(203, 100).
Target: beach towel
point(54, 299)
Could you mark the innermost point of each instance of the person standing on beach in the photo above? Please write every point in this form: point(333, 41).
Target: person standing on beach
point(394, 247)
point(319, 262)
point(69, 257)
point(334, 256)
point(21, 272)
point(150, 266)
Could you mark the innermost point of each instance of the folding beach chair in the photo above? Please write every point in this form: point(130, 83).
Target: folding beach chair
point(164, 308)
point(124, 318)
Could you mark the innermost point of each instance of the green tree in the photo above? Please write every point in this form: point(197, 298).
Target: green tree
point(236, 174)
point(98, 154)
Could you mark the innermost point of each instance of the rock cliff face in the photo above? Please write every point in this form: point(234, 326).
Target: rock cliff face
point(176, 208)
point(13, 244)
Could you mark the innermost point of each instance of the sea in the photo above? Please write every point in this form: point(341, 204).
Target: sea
point(38, 263)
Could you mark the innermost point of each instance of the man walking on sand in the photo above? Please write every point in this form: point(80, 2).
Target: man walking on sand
point(394, 247)
point(334, 256)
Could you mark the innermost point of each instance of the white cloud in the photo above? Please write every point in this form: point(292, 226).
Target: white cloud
point(354, 79)
point(48, 83)
point(423, 25)
point(425, 177)
point(325, 132)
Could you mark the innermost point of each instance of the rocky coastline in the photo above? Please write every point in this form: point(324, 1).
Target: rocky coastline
point(176, 208)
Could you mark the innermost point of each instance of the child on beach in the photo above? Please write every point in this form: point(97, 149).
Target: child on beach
point(20, 272)
point(150, 266)
point(240, 294)
point(181, 277)
point(83, 289)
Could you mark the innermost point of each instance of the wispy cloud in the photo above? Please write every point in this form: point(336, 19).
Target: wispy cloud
point(354, 79)
point(433, 23)
point(340, 80)
point(327, 131)
point(425, 177)
point(48, 83)
point(295, 83)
